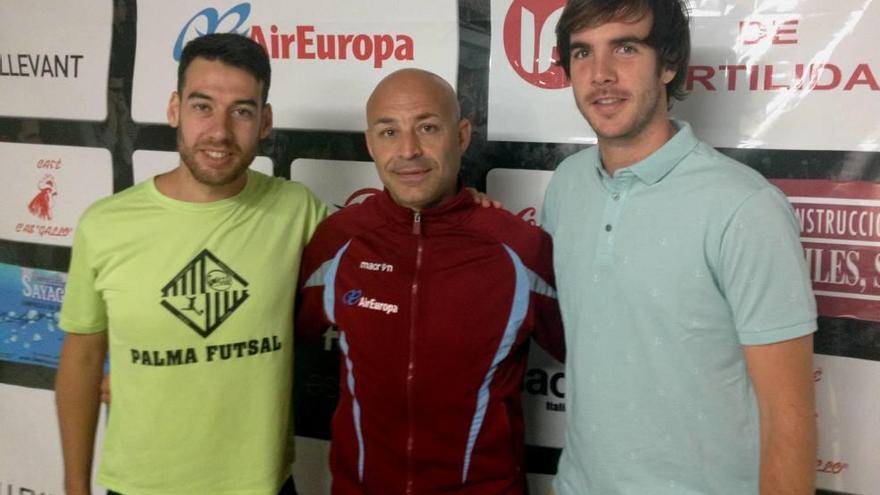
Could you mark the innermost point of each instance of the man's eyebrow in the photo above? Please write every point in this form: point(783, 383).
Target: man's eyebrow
point(419, 117)
point(427, 115)
point(629, 39)
point(246, 101)
point(197, 95)
point(384, 120)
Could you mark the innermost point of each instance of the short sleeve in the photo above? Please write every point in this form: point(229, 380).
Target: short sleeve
point(83, 309)
point(763, 273)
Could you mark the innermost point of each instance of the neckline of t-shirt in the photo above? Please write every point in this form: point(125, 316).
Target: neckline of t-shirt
point(207, 206)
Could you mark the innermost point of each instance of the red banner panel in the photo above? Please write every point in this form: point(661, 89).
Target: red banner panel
point(840, 232)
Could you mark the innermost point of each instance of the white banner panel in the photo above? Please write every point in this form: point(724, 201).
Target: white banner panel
point(54, 58)
point(529, 96)
point(781, 75)
point(147, 163)
point(785, 75)
point(326, 56)
point(848, 415)
point(338, 183)
point(46, 188)
point(521, 191)
point(30, 453)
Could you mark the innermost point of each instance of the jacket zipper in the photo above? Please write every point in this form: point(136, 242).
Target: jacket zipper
point(410, 372)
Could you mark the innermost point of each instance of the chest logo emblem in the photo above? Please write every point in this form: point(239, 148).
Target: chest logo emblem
point(204, 293)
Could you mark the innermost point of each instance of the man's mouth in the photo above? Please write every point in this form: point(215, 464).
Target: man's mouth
point(216, 154)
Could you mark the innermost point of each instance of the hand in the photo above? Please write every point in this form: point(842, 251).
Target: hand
point(483, 199)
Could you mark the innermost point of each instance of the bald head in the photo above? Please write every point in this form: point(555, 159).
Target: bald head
point(416, 136)
point(418, 83)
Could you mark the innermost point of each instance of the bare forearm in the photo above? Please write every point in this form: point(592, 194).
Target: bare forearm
point(782, 376)
point(788, 456)
point(77, 395)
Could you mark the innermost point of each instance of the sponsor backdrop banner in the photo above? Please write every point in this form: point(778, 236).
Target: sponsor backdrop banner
point(338, 183)
point(763, 75)
point(46, 188)
point(30, 300)
point(529, 96)
point(148, 163)
point(51, 67)
point(848, 416)
point(840, 231)
point(326, 56)
point(794, 81)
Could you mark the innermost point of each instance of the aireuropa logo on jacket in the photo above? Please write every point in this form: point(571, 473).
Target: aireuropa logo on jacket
point(530, 42)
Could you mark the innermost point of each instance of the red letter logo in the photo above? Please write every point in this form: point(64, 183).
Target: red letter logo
point(530, 42)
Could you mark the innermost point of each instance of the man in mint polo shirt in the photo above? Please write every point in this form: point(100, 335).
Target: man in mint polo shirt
point(187, 279)
point(685, 297)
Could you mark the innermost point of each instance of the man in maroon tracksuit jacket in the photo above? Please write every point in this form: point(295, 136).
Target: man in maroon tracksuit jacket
point(435, 299)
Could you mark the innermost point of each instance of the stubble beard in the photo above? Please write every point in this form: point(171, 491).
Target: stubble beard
point(643, 117)
point(206, 177)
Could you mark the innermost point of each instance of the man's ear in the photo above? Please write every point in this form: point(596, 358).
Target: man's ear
point(464, 134)
point(173, 112)
point(266, 123)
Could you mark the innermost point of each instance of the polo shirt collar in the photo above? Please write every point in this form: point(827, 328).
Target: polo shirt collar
point(661, 162)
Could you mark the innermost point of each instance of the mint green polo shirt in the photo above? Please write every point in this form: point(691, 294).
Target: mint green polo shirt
point(664, 271)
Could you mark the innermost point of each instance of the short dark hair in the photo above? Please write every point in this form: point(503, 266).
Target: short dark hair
point(670, 33)
point(231, 49)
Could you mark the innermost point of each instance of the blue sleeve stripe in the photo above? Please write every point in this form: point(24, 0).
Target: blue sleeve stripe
point(355, 405)
point(517, 314)
point(539, 286)
point(316, 279)
point(329, 274)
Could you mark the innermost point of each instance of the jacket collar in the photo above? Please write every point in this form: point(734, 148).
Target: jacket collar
point(449, 213)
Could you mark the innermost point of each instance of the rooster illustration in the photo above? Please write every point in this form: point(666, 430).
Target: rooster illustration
point(43, 202)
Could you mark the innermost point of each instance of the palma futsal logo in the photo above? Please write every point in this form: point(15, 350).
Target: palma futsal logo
point(205, 293)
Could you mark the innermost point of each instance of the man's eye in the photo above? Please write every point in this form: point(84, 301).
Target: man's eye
point(200, 107)
point(243, 112)
point(387, 132)
point(429, 128)
point(579, 53)
point(628, 49)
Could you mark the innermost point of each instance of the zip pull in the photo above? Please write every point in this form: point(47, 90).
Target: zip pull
point(417, 223)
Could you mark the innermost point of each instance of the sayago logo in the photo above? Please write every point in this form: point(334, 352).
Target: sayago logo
point(301, 42)
point(530, 42)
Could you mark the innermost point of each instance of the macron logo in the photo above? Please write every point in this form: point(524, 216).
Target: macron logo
point(376, 267)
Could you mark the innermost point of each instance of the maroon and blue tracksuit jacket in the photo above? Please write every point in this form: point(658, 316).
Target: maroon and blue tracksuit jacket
point(434, 312)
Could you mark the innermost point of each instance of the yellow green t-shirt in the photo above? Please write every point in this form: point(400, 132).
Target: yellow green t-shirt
point(197, 299)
